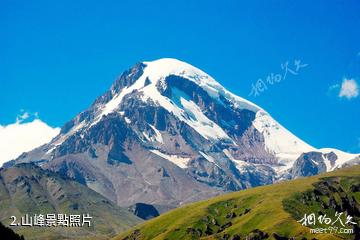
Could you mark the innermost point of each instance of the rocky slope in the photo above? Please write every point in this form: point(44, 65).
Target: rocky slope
point(166, 133)
point(28, 189)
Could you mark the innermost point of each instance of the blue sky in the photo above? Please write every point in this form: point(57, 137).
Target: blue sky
point(55, 58)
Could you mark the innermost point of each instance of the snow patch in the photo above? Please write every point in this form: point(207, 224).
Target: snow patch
point(327, 163)
point(200, 122)
point(179, 161)
point(127, 120)
point(207, 157)
point(187, 112)
point(158, 136)
point(279, 141)
point(314, 162)
point(239, 164)
point(342, 157)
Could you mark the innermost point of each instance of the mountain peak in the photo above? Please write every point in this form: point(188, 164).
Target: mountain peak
point(167, 62)
point(158, 70)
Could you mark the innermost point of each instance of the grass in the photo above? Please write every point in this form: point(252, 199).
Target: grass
point(265, 212)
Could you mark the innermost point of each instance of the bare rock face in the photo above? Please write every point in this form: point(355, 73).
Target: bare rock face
point(308, 164)
point(144, 211)
point(166, 134)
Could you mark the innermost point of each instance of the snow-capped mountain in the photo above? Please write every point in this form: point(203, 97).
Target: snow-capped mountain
point(167, 133)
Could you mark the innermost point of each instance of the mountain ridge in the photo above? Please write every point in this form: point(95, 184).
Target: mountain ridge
point(180, 136)
point(265, 212)
point(28, 189)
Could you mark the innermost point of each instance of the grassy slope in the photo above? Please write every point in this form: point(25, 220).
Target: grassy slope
point(266, 214)
point(29, 190)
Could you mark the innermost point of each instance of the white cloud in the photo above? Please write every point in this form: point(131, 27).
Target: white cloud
point(22, 117)
point(21, 136)
point(349, 89)
point(333, 89)
point(335, 86)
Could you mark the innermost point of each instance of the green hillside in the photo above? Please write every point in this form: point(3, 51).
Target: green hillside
point(28, 189)
point(267, 212)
